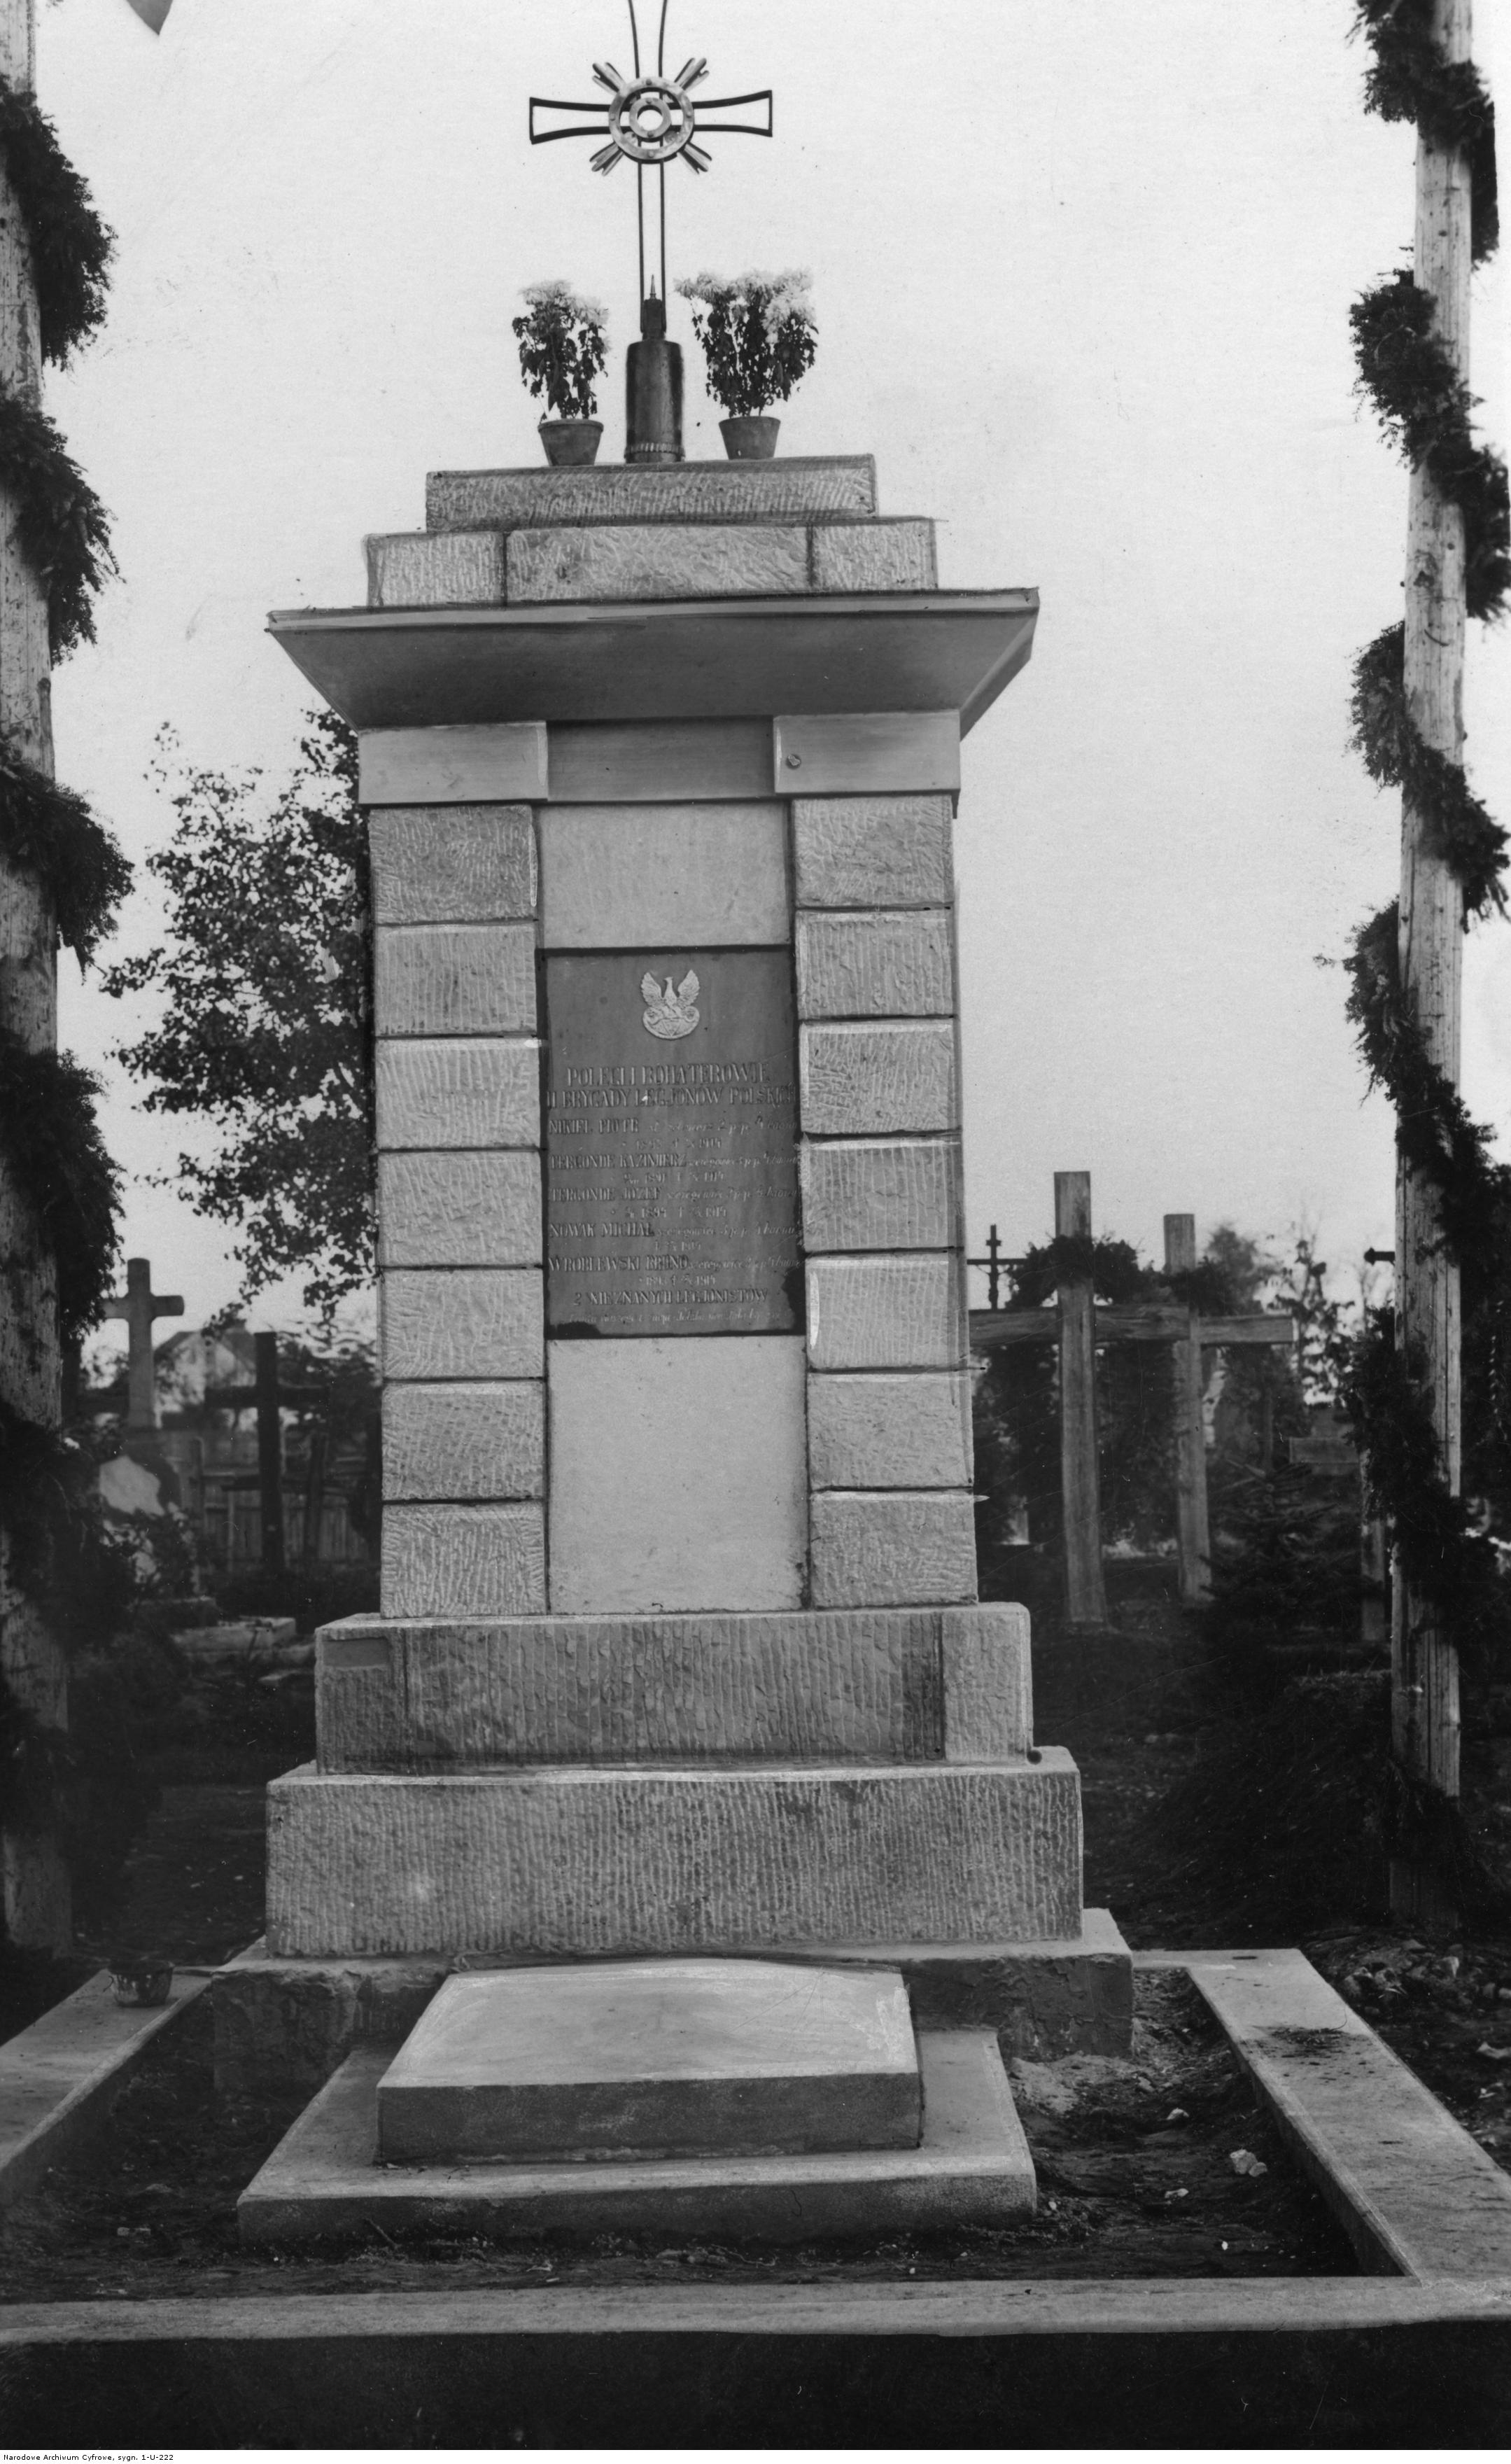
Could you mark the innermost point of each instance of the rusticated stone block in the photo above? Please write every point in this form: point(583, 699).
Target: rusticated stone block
point(886, 1313)
point(459, 1210)
point(464, 1561)
point(451, 864)
point(473, 1438)
point(881, 1432)
point(878, 964)
point(894, 1193)
point(873, 1545)
point(459, 1091)
point(859, 1079)
point(857, 1683)
point(684, 492)
point(462, 1322)
point(427, 569)
point(657, 560)
point(454, 978)
point(872, 850)
point(988, 1683)
point(874, 556)
point(617, 876)
point(580, 1863)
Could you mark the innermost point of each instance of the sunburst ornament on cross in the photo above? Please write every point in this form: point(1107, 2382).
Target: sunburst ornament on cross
point(651, 120)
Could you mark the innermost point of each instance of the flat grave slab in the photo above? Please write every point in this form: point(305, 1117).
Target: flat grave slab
point(654, 2057)
point(972, 2166)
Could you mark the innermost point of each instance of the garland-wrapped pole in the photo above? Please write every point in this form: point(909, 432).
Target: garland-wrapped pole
point(1424, 1659)
point(37, 1910)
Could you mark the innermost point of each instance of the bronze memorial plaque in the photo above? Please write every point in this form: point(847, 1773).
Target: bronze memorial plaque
point(671, 1143)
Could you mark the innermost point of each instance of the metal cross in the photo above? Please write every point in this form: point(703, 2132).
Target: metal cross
point(650, 122)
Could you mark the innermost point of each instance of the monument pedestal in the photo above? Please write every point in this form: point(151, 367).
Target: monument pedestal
point(679, 1651)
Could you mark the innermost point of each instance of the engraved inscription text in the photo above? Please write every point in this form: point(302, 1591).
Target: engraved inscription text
point(671, 1143)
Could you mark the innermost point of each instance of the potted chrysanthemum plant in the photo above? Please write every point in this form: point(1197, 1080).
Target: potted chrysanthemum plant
point(561, 352)
point(758, 337)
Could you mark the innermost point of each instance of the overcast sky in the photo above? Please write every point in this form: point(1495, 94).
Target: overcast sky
point(1082, 271)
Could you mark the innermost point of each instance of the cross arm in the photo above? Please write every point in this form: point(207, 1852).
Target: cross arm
point(550, 136)
point(1149, 1322)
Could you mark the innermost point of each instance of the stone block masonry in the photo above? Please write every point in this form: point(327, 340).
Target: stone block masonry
point(789, 487)
point(481, 1438)
point(459, 1210)
point(860, 1684)
point(879, 1194)
point(454, 978)
point(874, 1546)
point(462, 1322)
point(451, 864)
point(879, 1076)
point(679, 1649)
point(457, 1093)
point(464, 1561)
point(581, 1863)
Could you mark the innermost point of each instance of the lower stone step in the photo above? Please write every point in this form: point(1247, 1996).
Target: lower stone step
point(579, 1862)
point(971, 2167)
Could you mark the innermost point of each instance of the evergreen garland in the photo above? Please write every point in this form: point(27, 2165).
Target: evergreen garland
point(1424, 406)
point(52, 833)
point(57, 1160)
point(51, 1141)
point(64, 531)
point(1410, 79)
point(71, 247)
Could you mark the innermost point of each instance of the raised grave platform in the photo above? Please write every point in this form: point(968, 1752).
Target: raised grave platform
point(970, 2167)
point(661, 2057)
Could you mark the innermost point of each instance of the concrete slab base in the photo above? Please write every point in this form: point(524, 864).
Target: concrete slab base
point(283, 2023)
point(59, 2078)
point(653, 2058)
point(972, 2166)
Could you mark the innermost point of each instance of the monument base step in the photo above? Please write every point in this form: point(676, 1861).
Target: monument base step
point(585, 1860)
point(289, 2022)
point(972, 2167)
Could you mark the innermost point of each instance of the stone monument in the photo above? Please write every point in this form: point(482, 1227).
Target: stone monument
point(679, 1663)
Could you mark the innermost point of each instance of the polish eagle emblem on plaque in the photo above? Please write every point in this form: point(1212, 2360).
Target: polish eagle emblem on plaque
point(670, 1014)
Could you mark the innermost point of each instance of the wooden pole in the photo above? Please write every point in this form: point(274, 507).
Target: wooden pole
point(1192, 1533)
point(1424, 1663)
point(38, 1906)
point(270, 1451)
point(1081, 1487)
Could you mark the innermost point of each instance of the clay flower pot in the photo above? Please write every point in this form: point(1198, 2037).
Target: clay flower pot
point(751, 439)
point(141, 1983)
point(571, 441)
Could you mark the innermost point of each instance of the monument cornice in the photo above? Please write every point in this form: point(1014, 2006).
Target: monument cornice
point(663, 659)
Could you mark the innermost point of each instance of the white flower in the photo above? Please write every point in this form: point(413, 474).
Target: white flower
point(559, 296)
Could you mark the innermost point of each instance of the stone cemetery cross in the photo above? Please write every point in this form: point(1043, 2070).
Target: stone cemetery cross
point(650, 122)
point(139, 1305)
point(1079, 1326)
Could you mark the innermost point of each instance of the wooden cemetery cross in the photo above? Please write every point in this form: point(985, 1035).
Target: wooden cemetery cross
point(139, 1305)
point(269, 1393)
point(1079, 1327)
